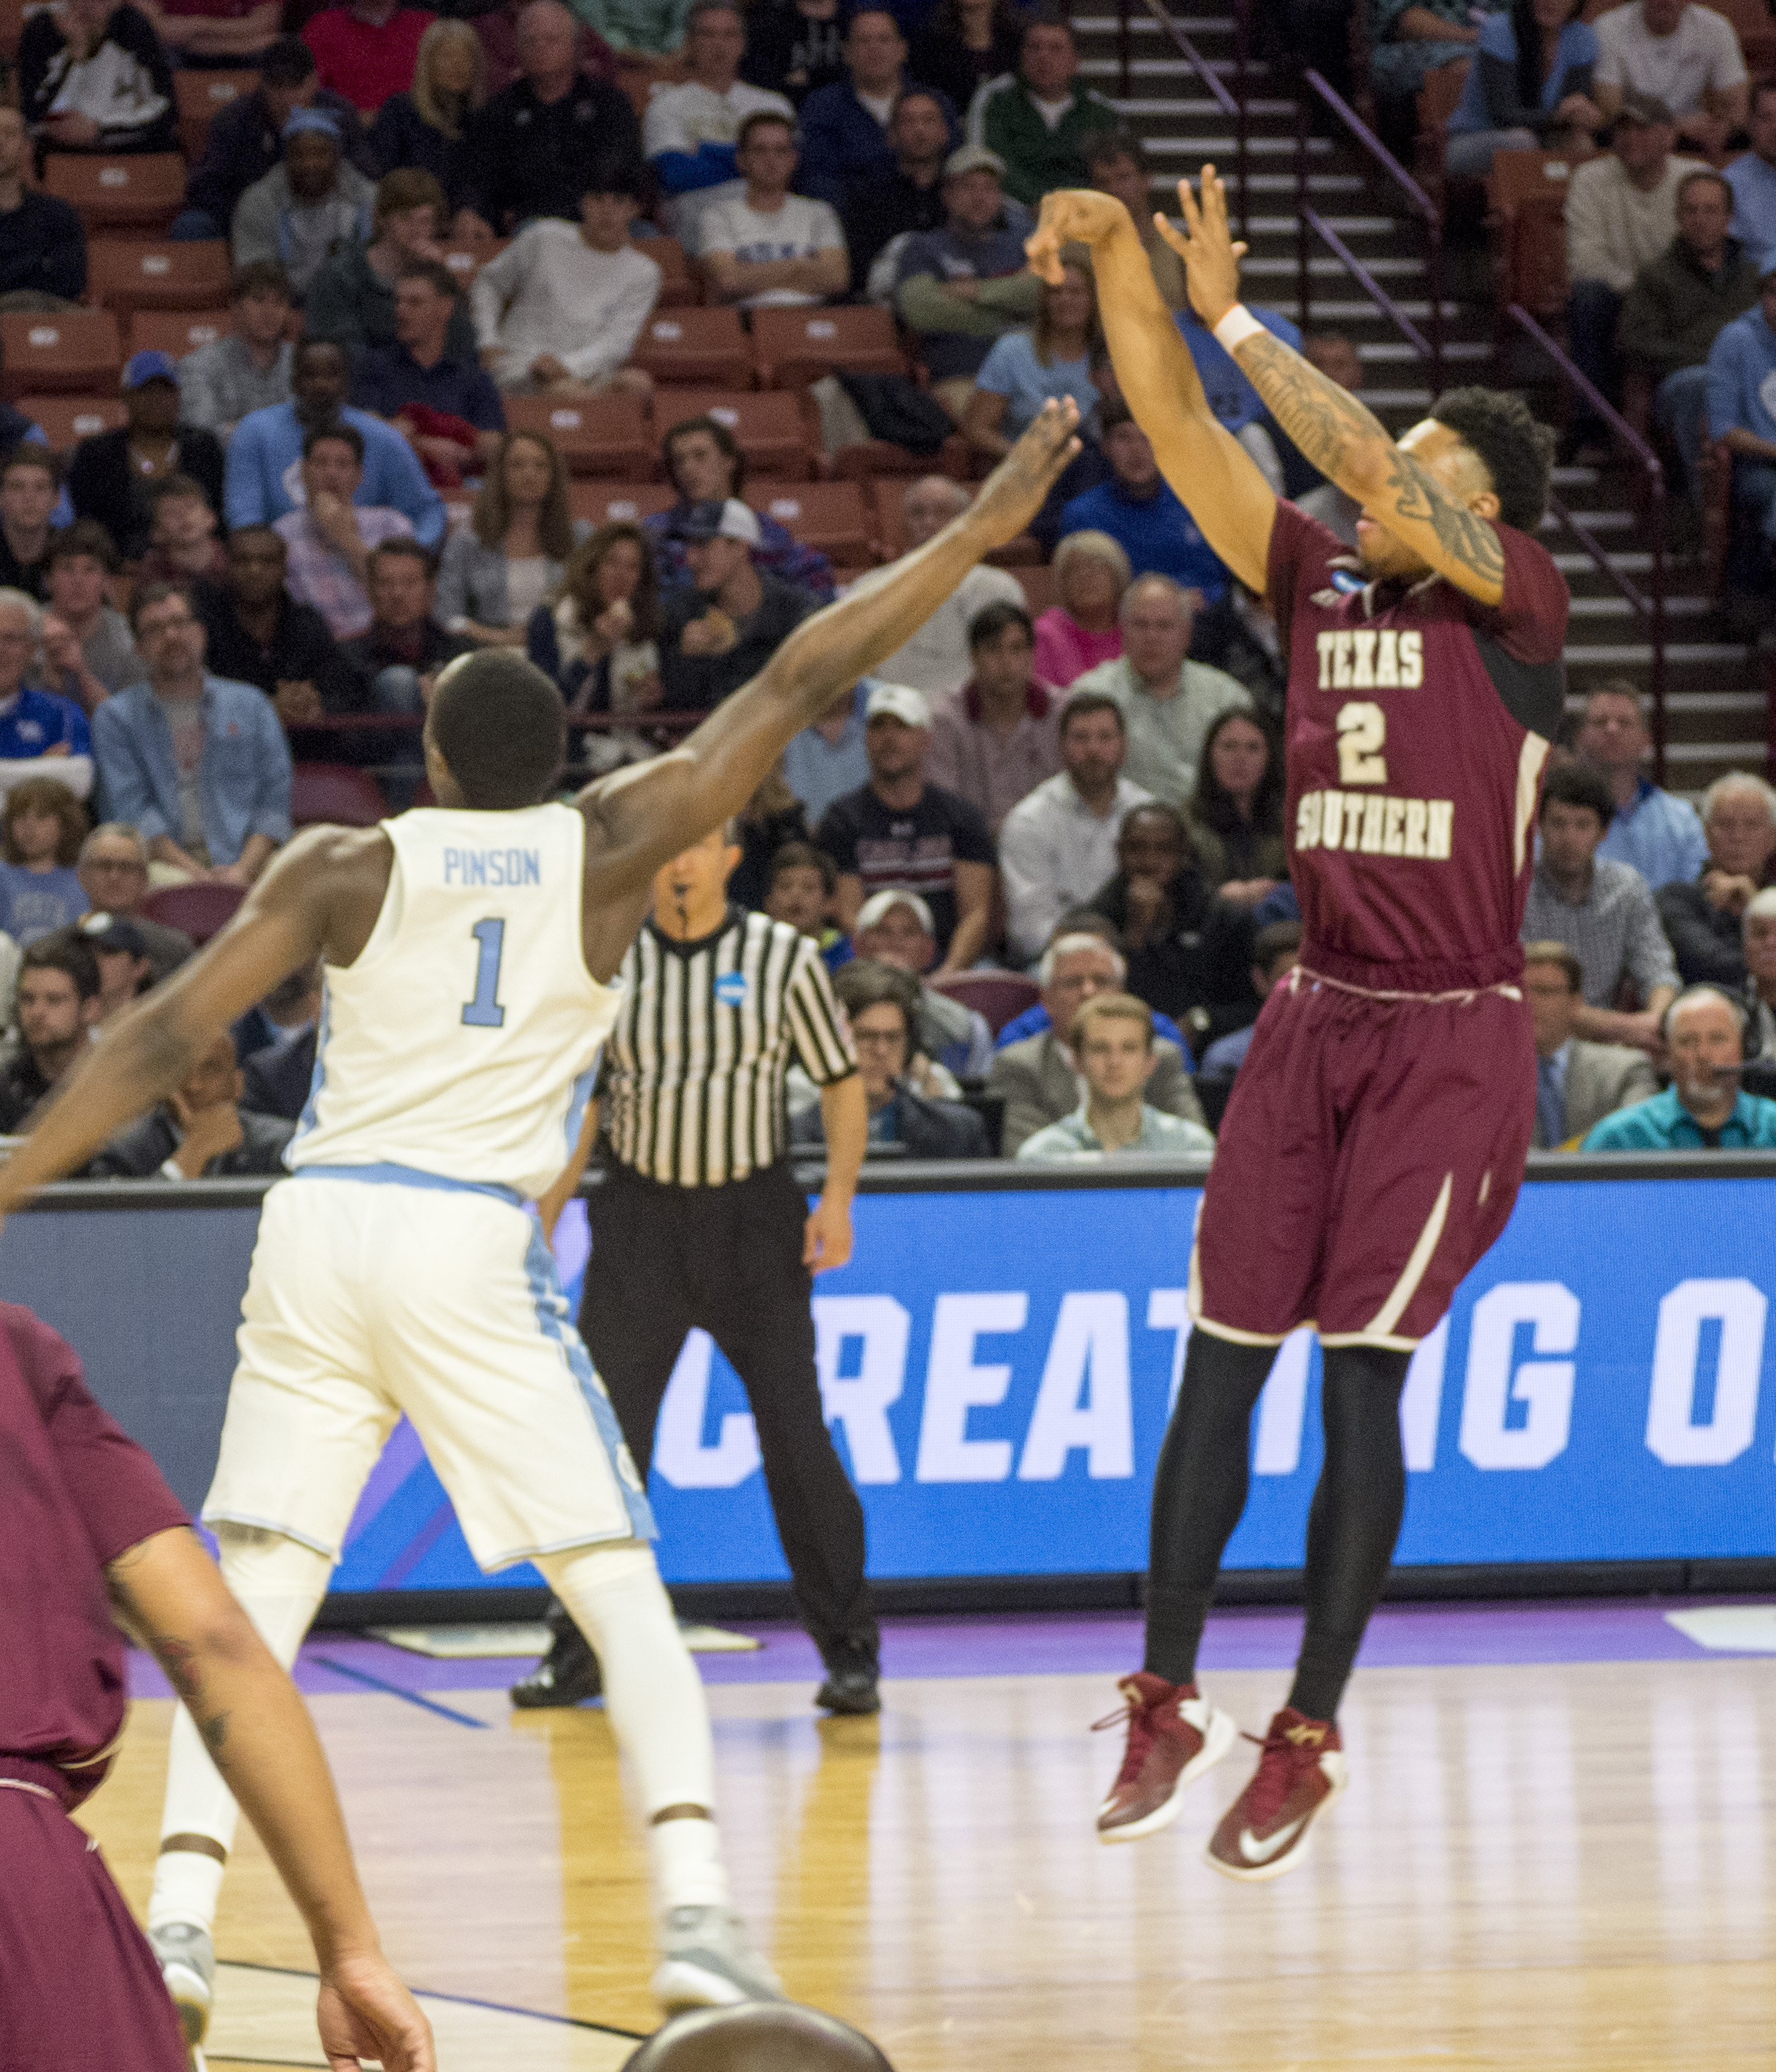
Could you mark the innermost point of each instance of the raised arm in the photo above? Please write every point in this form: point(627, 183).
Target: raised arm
point(642, 817)
point(1212, 474)
point(154, 1044)
point(1327, 423)
point(261, 1739)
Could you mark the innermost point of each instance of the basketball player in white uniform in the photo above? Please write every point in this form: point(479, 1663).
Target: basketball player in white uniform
point(468, 952)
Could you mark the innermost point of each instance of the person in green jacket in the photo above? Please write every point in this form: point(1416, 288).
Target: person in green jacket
point(1680, 305)
point(1038, 118)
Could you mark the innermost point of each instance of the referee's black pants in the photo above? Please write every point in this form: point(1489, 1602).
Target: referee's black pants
point(666, 1260)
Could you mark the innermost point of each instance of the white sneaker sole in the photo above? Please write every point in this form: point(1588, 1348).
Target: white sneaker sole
point(1222, 1733)
point(679, 1983)
point(1290, 1859)
point(193, 1997)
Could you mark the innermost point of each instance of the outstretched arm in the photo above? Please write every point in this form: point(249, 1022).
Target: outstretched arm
point(261, 1739)
point(1211, 473)
point(1327, 423)
point(642, 817)
point(155, 1043)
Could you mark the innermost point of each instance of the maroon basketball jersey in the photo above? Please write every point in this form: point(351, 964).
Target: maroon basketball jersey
point(1418, 725)
point(78, 1493)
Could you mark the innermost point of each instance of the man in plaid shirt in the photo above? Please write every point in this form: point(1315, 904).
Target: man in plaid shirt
point(329, 538)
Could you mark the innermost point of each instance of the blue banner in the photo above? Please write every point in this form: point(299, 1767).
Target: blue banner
point(998, 1369)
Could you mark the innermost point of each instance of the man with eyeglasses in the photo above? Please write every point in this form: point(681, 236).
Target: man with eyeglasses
point(113, 873)
point(197, 762)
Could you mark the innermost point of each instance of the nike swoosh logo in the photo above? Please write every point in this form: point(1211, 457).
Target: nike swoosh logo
point(1256, 1852)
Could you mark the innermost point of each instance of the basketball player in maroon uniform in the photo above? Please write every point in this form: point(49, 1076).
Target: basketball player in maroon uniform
point(1376, 1139)
point(88, 1526)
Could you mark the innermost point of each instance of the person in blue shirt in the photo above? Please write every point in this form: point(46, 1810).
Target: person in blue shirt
point(1659, 834)
point(264, 479)
point(1752, 176)
point(1706, 1036)
point(32, 723)
point(418, 374)
point(1740, 362)
point(41, 829)
point(1025, 369)
point(1530, 87)
point(845, 141)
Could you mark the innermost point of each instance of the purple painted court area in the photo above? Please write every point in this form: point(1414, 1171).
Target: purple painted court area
point(1062, 1644)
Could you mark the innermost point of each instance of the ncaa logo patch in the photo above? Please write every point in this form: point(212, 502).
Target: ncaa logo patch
point(731, 989)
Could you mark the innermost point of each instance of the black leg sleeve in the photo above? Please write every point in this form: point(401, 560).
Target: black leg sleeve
point(1355, 1519)
point(1198, 1494)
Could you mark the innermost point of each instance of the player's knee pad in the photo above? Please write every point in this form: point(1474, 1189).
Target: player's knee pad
point(277, 1581)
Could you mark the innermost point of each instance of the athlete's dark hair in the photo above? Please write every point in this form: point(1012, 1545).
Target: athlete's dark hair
point(1517, 452)
point(1572, 784)
point(499, 723)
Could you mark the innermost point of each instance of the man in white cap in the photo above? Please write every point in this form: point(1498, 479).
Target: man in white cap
point(721, 632)
point(898, 830)
point(894, 928)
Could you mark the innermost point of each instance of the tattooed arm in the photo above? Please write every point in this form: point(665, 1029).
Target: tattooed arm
point(1212, 474)
point(261, 1739)
point(1331, 428)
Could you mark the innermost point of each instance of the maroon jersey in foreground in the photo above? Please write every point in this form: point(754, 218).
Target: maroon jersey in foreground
point(1418, 725)
point(79, 1986)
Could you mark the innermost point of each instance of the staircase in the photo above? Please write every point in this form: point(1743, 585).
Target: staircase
point(1716, 703)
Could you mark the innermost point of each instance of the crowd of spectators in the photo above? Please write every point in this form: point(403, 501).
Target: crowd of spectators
point(303, 520)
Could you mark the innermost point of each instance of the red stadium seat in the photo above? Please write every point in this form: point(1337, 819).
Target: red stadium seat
point(595, 434)
point(201, 97)
point(176, 332)
point(129, 273)
point(66, 420)
point(998, 997)
point(795, 347)
point(687, 345)
point(143, 190)
point(772, 430)
point(337, 794)
point(829, 516)
point(679, 287)
point(201, 910)
point(603, 503)
point(77, 349)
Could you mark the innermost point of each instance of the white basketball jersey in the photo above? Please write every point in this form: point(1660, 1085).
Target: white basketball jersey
point(463, 1042)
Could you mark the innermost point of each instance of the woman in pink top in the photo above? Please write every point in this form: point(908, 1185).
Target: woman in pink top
point(1082, 630)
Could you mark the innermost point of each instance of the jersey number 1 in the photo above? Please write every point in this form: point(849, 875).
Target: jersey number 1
point(484, 1011)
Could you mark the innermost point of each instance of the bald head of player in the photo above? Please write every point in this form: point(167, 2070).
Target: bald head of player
point(1484, 450)
point(762, 2035)
point(496, 732)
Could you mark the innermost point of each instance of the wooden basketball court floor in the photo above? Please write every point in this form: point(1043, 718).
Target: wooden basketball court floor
point(1557, 1852)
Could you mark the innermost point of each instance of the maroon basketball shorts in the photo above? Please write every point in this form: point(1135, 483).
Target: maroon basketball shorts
point(1370, 1156)
point(80, 1990)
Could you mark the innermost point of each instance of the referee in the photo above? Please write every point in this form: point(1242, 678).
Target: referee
point(699, 1221)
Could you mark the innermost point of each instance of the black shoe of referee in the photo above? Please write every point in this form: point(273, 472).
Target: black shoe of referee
point(566, 1675)
point(853, 1676)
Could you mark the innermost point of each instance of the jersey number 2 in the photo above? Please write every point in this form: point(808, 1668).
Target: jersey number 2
point(1362, 728)
point(484, 1011)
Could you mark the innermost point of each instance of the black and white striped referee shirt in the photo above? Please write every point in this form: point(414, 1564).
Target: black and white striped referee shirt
point(694, 1069)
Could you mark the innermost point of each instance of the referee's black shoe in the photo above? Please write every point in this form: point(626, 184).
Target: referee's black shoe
point(566, 1675)
point(853, 1676)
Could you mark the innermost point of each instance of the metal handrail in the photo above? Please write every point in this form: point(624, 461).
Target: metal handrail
point(1312, 220)
point(1651, 608)
point(1416, 199)
point(1229, 106)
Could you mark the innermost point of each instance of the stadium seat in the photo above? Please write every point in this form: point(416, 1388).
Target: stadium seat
point(176, 332)
point(77, 349)
point(143, 191)
point(335, 793)
point(66, 420)
point(1528, 196)
point(997, 997)
point(694, 345)
point(12, 27)
point(795, 347)
point(465, 260)
point(829, 516)
point(1757, 31)
point(600, 435)
point(870, 460)
point(201, 910)
point(200, 98)
point(637, 76)
point(679, 287)
point(125, 273)
point(603, 503)
point(771, 429)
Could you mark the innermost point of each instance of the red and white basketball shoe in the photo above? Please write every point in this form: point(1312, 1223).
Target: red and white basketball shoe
point(1267, 1829)
point(1175, 1737)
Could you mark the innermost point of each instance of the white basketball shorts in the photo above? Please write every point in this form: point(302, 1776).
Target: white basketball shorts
point(391, 1292)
